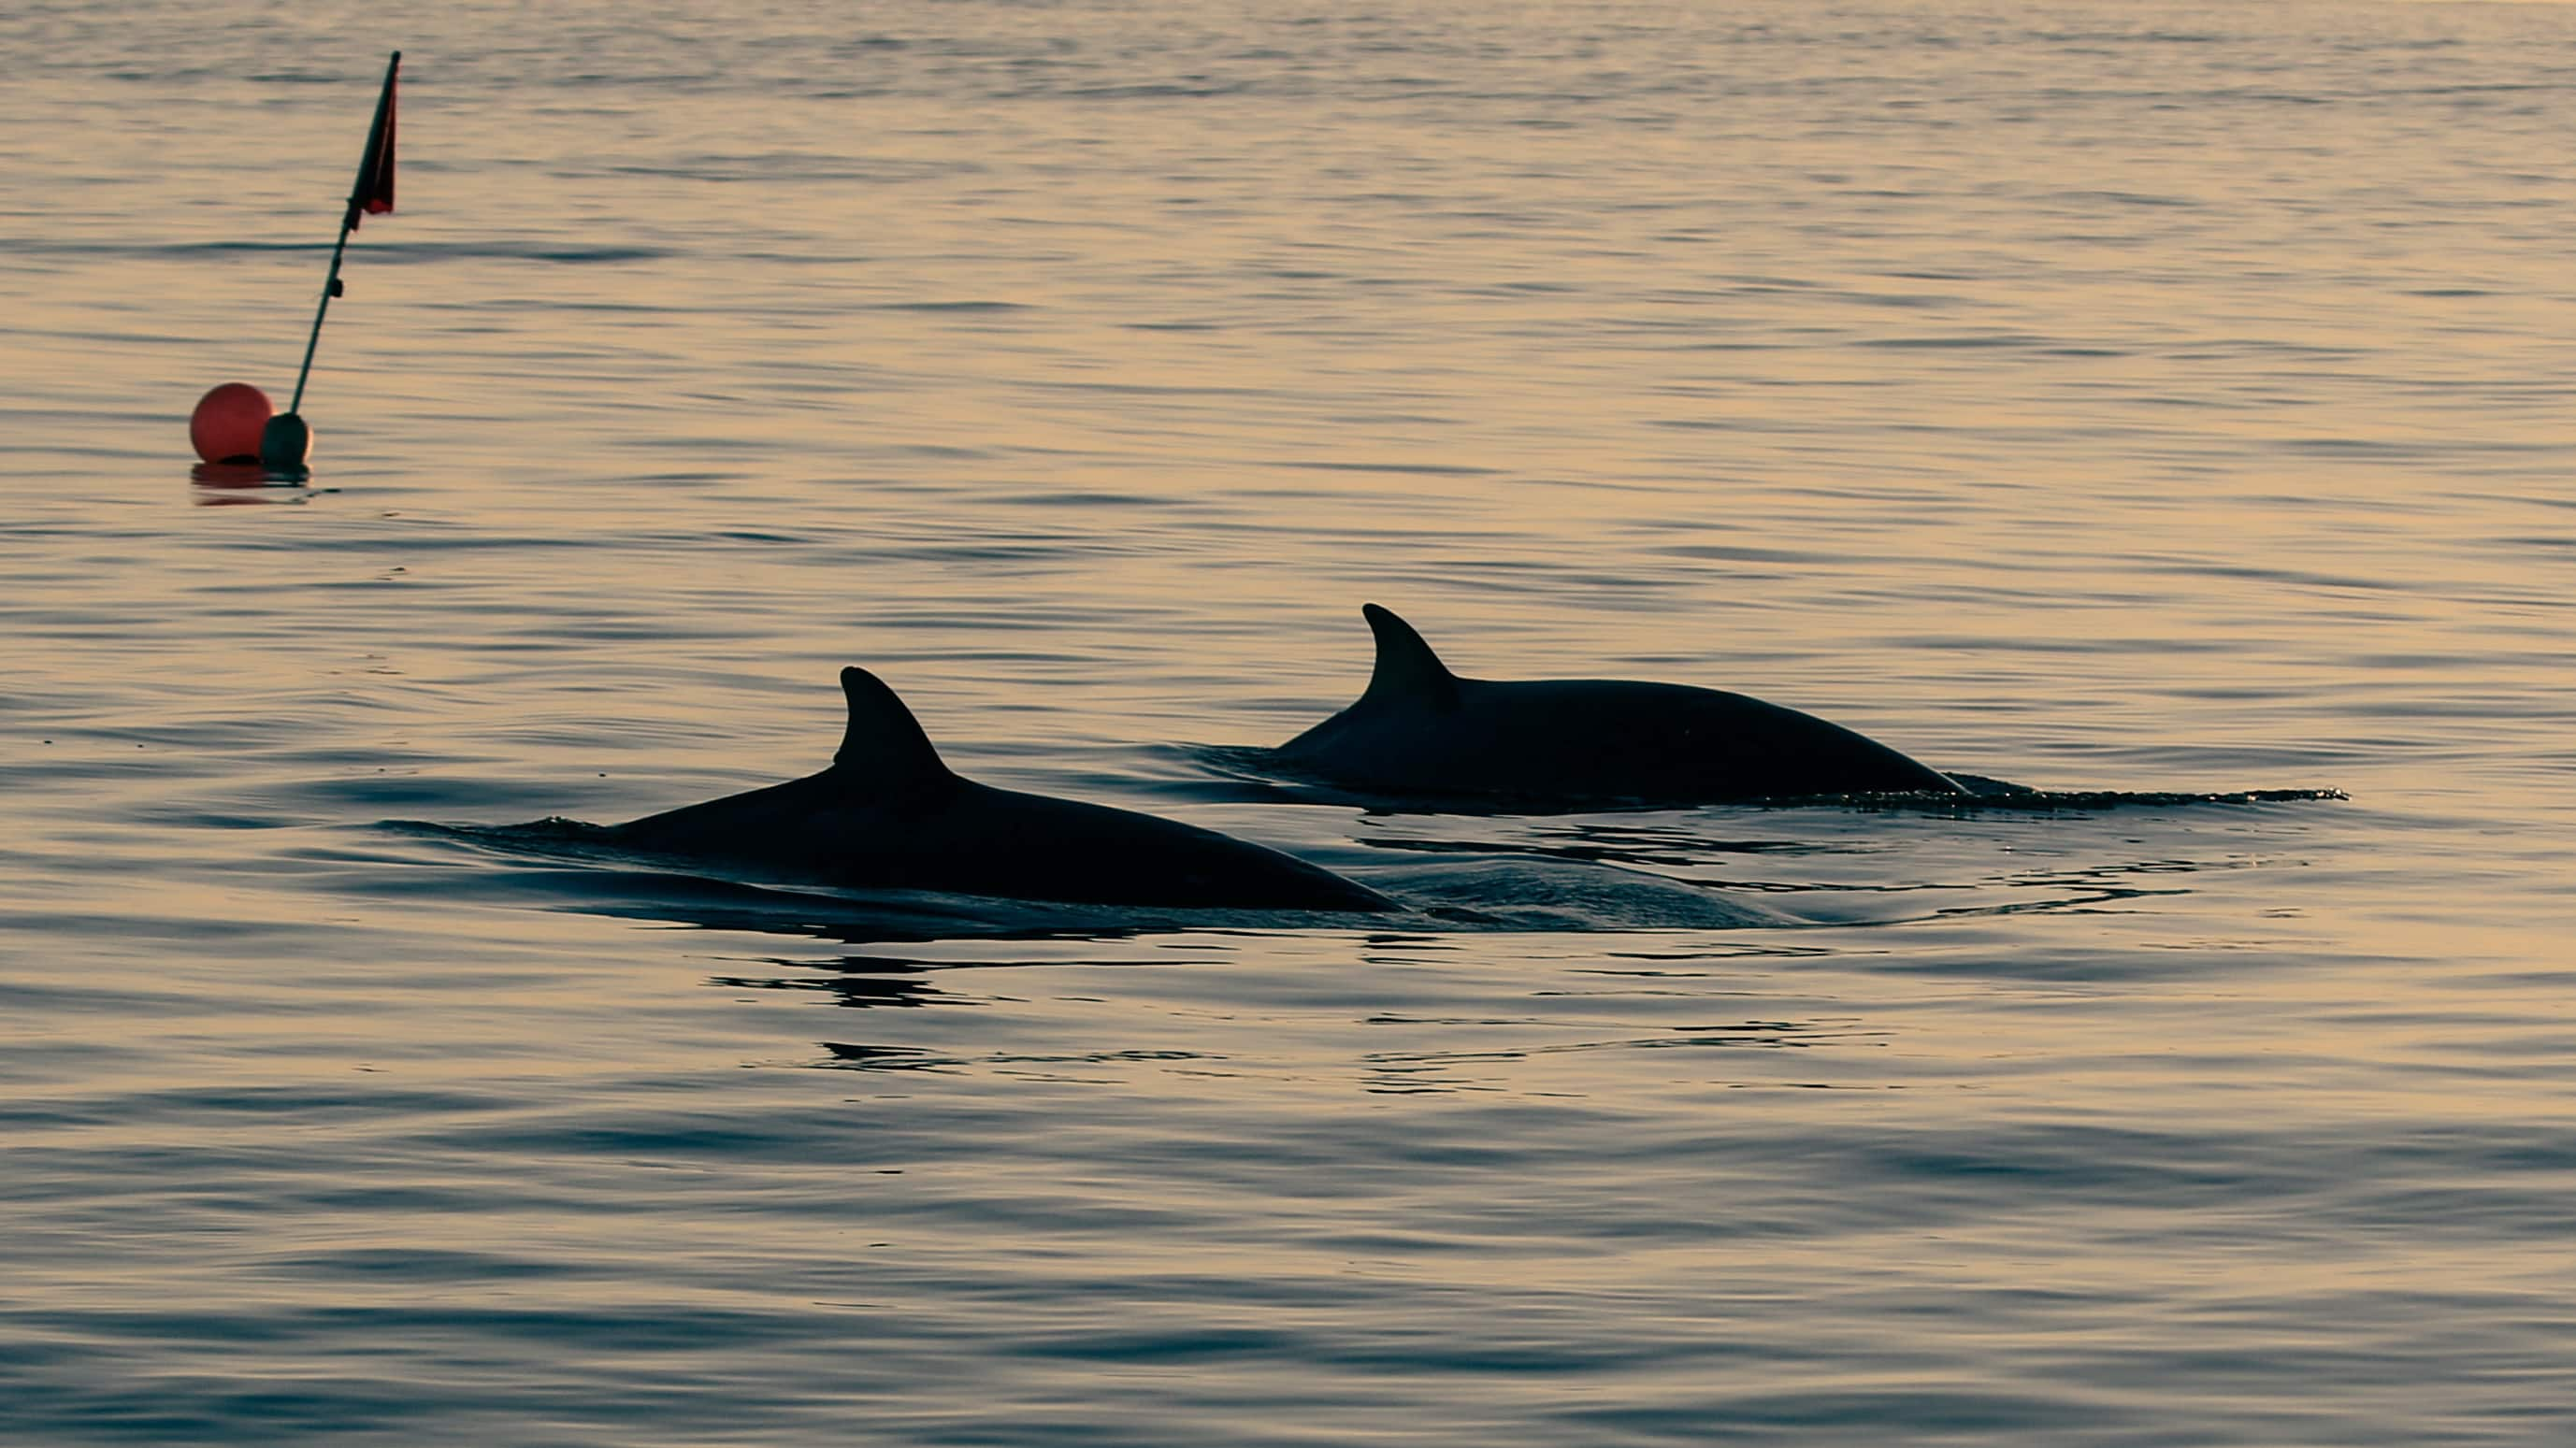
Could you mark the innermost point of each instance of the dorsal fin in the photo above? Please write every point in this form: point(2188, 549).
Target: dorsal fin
point(1407, 671)
point(884, 742)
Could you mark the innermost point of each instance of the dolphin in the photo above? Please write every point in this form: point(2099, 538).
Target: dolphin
point(890, 814)
point(1420, 730)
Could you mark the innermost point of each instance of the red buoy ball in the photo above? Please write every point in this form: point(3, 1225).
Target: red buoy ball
point(227, 423)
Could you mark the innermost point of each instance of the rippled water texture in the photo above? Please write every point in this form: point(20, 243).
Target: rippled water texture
point(2140, 400)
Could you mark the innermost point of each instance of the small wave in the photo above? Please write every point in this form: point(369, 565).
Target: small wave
point(1250, 774)
point(603, 877)
point(389, 252)
point(1470, 889)
point(2045, 800)
point(960, 306)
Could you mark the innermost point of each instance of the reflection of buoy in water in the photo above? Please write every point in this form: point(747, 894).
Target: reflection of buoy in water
point(229, 475)
point(285, 444)
point(229, 422)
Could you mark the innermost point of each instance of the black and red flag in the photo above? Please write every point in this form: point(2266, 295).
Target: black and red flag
point(374, 193)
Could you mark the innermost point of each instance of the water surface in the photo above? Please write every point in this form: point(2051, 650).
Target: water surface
point(2151, 398)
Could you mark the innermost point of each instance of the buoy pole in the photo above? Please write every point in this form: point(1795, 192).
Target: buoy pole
point(330, 288)
point(287, 442)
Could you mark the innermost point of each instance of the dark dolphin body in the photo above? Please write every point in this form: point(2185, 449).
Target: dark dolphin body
point(1421, 730)
point(889, 814)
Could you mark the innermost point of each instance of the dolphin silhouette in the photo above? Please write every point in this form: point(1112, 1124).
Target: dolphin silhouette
point(1421, 730)
point(890, 814)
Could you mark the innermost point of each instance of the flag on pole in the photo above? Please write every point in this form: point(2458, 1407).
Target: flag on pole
point(374, 193)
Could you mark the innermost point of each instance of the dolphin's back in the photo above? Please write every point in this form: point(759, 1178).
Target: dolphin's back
point(1422, 730)
point(1041, 847)
point(1604, 739)
point(1674, 741)
point(973, 839)
point(889, 814)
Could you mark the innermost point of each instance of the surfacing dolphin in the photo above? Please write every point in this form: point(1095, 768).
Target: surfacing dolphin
point(1420, 730)
point(890, 814)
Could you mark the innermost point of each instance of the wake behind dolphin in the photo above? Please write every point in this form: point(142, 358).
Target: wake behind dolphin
point(890, 814)
point(1420, 730)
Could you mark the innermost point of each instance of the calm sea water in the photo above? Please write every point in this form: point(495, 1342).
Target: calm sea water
point(2138, 397)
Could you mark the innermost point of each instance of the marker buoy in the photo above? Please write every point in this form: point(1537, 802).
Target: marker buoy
point(228, 423)
point(285, 444)
point(234, 424)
